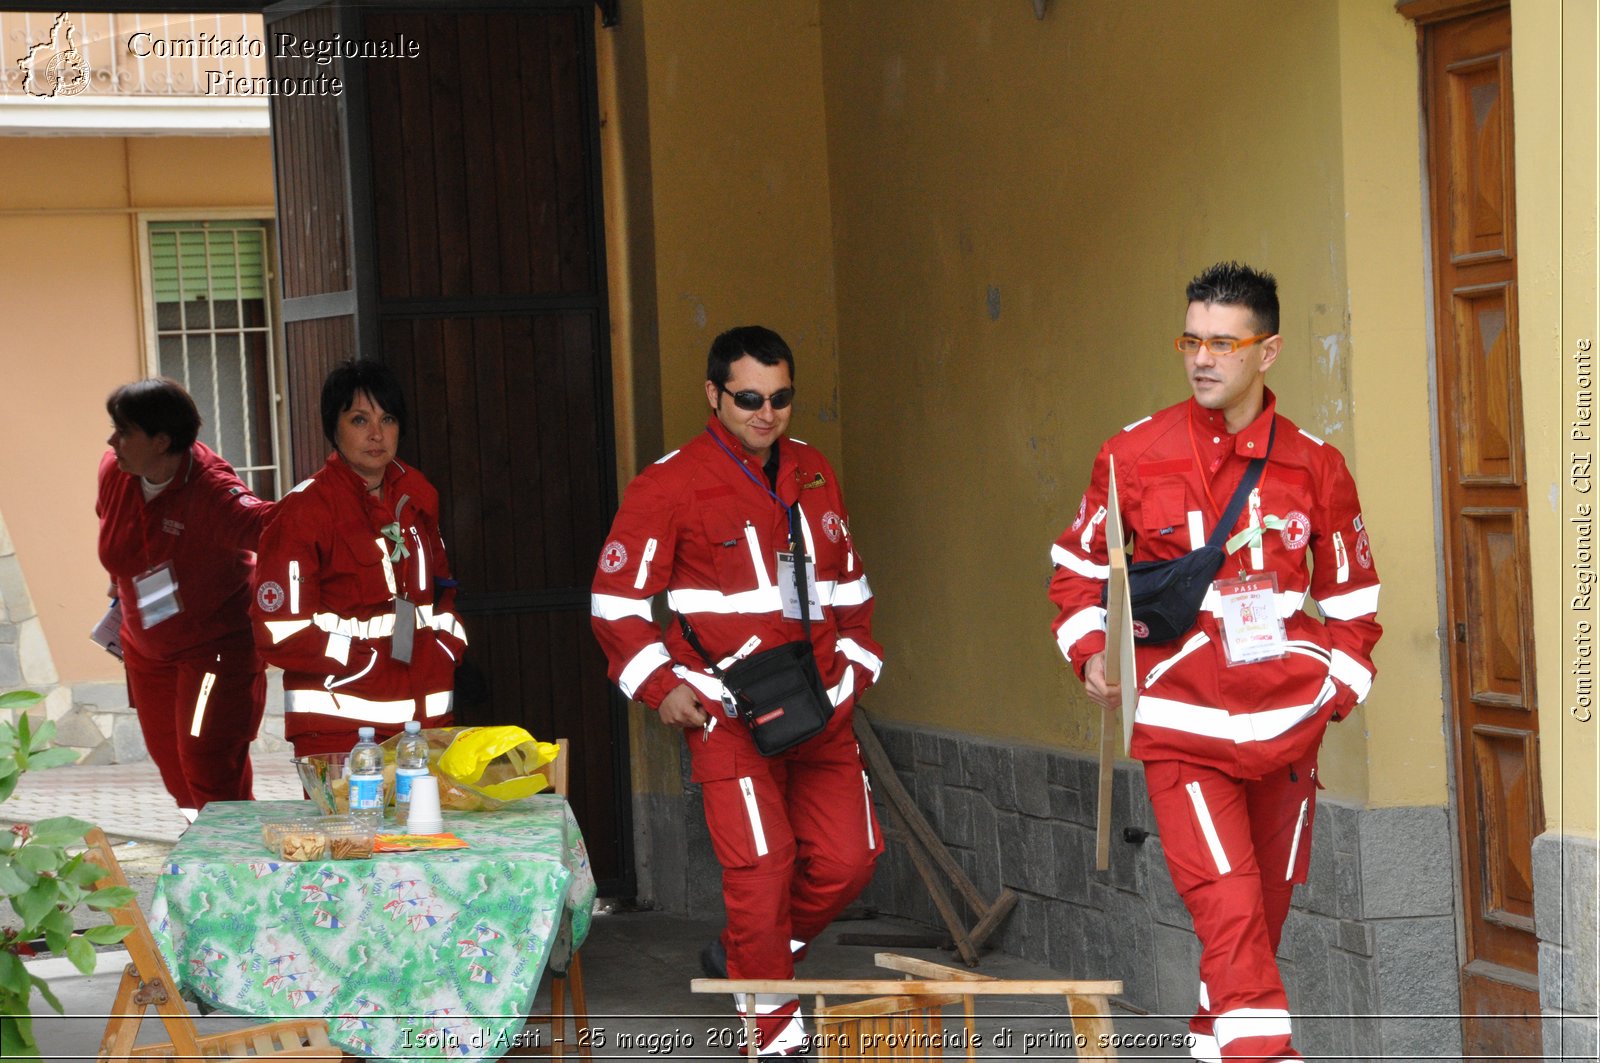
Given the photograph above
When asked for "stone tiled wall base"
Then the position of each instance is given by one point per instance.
(1369, 943)
(1565, 917)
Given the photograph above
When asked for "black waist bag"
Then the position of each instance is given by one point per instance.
(1165, 596)
(779, 695)
(777, 692)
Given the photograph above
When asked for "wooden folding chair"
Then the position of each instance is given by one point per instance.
(558, 772)
(905, 1020)
(147, 983)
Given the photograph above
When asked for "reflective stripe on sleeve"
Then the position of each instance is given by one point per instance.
(616, 607)
(643, 665)
(1202, 815)
(1081, 566)
(1078, 625)
(422, 561)
(1363, 602)
(841, 691)
(1088, 532)
(844, 595)
(1352, 673)
(854, 651)
(438, 703)
(708, 686)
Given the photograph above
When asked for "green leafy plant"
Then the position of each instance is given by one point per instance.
(43, 883)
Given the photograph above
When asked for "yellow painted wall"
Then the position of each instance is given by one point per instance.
(1554, 59)
(70, 331)
(1079, 170)
(739, 194)
(1400, 734)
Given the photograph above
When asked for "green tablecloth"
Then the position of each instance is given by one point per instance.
(408, 955)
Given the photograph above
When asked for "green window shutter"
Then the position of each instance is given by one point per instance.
(207, 260)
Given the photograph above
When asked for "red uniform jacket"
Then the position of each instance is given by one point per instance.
(696, 525)
(1176, 471)
(206, 524)
(325, 601)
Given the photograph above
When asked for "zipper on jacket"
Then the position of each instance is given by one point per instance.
(644, 564)
(754, 813)
(1198, 639)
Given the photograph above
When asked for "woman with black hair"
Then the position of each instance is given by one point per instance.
(353, 592)
(178, 533)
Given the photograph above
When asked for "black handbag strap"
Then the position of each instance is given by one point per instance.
(1247, 483)
(798, 551)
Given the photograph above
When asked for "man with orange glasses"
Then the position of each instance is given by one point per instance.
(1233, 703)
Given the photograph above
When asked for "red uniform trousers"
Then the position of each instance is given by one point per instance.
(198, 737)
(797, 840)
(1235, 849)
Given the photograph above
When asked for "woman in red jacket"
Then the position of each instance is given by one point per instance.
(178, 532)
(353, 592)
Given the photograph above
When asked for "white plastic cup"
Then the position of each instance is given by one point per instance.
(424, 817)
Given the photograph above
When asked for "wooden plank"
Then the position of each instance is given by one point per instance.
(888, 784)
(926, 968)
(871, 987)
(937, 892)
(1091, 1023)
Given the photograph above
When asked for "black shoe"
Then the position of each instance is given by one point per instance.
(714, 959)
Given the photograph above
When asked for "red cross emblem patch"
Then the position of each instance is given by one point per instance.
(613, 557)
(269, 596)
(1296, 530)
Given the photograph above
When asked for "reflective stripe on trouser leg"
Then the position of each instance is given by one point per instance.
(780, 1022)
(1208, 828)
(752, 813)
(199, 716)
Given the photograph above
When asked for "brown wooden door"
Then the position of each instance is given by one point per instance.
(477, 272)
(1494, 712)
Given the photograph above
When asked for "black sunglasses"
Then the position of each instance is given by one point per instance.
(754, 400)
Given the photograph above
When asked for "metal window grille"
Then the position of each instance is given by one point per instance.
(209, 282)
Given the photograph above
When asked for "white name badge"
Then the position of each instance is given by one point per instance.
(1251, 628)
(157, 594)
(790, 595)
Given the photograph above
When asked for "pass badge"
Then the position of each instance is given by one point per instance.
(790, 594)
(156, 594)
(1251, 628)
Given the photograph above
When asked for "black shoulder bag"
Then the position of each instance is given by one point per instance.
(1166, 595)
(777, 692)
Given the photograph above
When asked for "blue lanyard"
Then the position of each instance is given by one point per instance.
(746, 470)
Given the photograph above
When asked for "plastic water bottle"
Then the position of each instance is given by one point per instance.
(410, 762)
(366, 777)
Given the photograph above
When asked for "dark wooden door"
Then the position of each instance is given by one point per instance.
(478, 273)
(1494, 712)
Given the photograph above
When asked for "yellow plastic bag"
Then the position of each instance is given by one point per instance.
(482, 768)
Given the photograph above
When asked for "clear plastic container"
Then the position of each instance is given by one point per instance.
(410, 762)
(367, 796)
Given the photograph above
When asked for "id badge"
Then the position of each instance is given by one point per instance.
(1251, 628)
(405, 630)
(156, 593)
(790, 594)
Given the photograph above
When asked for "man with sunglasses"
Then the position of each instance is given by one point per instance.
(795, 832)
(1232, 711)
